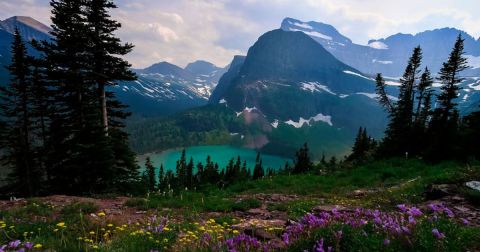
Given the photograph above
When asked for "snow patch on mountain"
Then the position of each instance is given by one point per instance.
(378, 45)
(315, 87)
(222, 101)
(275, 123)
(357, 74)
(313, 33)
(475, 86)
(375, 96)
(473, 61)
(385, 62)
(320, 117)
(302, 25)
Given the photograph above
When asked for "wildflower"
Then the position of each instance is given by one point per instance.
(235, 232)
(438, 234)
(449, 213)
(319, 246)
(386, 242)
(415, 211)
(402, 207)
(285, 238)
(411, 220)
(14, 244)
(61, 224)
(101, 214)
(465, 221)
(28, 245)
(92, 232)
(38, 246)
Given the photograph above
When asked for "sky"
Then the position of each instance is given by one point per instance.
(182, 31)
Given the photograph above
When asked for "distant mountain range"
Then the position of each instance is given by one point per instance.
(304, 82)
(389, 55)
(161, 89)
(164, 88)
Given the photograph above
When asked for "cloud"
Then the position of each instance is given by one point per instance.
(182, 31)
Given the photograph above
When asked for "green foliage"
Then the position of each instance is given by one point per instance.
(458, 238)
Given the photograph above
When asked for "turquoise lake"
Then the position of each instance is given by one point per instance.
(220, 154)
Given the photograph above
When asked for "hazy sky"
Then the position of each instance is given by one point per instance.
(181, 31)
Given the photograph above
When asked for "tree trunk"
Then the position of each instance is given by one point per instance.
(103, 105)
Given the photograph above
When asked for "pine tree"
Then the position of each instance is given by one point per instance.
(357, 149)
(302, 160)
(79, 157)
(444, 123)
(258, 171)
(332, 163)
(382, 93)
(16, 105)
(426, 82)
(189, 174)
(181, 170)
(161, 178)
(397, 139)
(150, 173)
(105, 49)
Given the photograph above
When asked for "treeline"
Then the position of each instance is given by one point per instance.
(197, 176)
(61, 130)
(424, 123)
(190, 175)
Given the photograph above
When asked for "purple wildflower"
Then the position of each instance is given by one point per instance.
(415, 211)
(438, 234)
(28, 245)
(449, 213)
(411, 220)
(319, 246)
(465, 221)
(402, 207)
(386, 242)
(14, 244)
(285, 238)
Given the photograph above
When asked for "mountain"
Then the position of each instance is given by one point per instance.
(29, 28)
(286, 91)
(164, 88)
(389, 55)
(161, 89)
(282, 65)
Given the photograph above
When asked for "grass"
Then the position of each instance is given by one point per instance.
(390, 182)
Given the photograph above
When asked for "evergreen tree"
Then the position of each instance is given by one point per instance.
(323, 161)
(382, 93)
(161, 178)
(258, 171)
(332, 163)
(397, 139)
(189, 174)
(444, 123)
(181, 170)
(245, 173)
(150, 173)
(200, 174)
(470, 136)
(16, 101)
(302, 160)
(105, 48)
